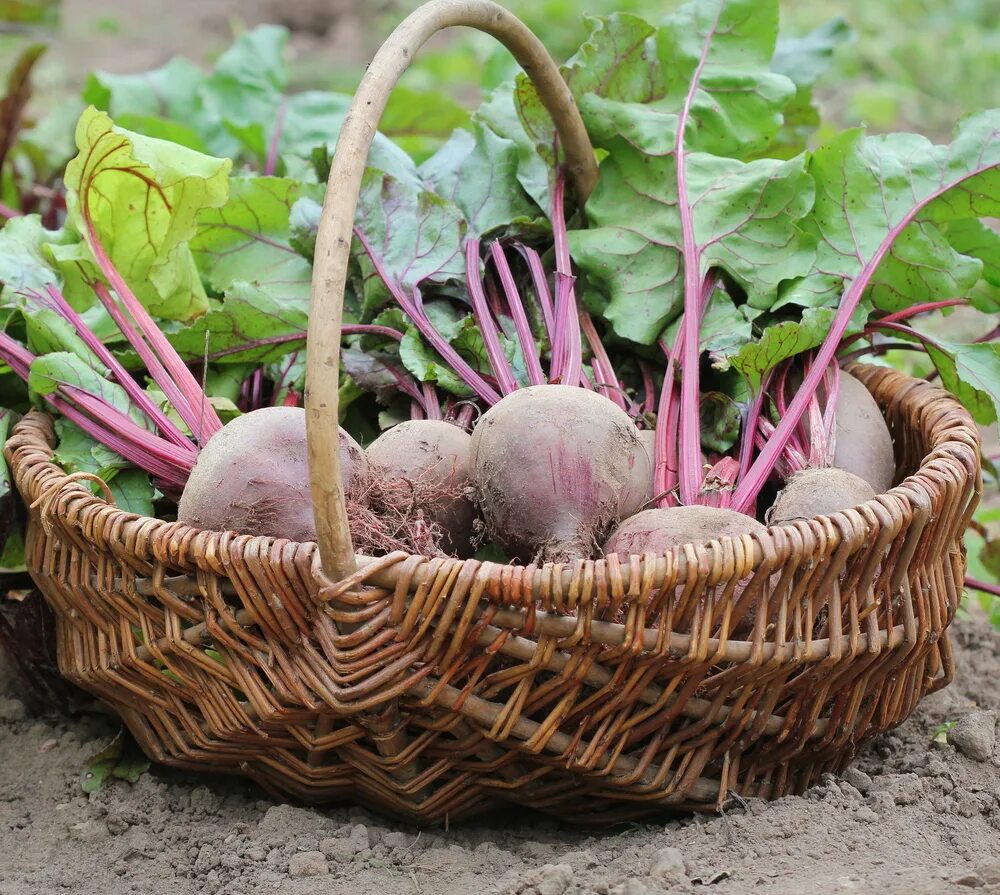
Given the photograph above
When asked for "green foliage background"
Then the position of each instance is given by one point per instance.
(912, 65)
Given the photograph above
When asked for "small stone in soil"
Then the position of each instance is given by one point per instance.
(631, 886)
(390, 840)
(905, 789)
(866, 815)
(89, 831)
(580, 860)
(975, 735)
(554, 879)
(344, 850)
(989, 870)
(12, 710)
(858, 779)
(667, 864)
(116, 825)
(308, 863)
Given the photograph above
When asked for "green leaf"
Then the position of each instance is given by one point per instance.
(714, 59)
(289, 372)
(989, 556)
(12, 559)
(781, 341)
(974, 238)
(7, 420)
(972, 374)
(251, 324)
(813, 291)
(133, 491)
(246, 240)
(76, 451)
(225, 408)
(424, 363)
(420, 121)
(160, 98)
(804, 60)
(922, 263)
(75, 265)
(745, 217)
(500, 113)
(48, 143)
(26, 257)
(162, 129)
(416, 235)
(384, 155)
(619, 61)
(724, 329)
(725, 46)
(469, 341)
(226, 381)
(44, 13)
(245, 90)
(885, 199)
(50, 371)
(446, 318)
(641, 278)
(940, 734)
(720, 421)
(241, 110)
(32, 258)
(121, 759)
(478, 173)
(49, 331)
(141, 197)
(303, 225)
(370, 370)
(462, 332)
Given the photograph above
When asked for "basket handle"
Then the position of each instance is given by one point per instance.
(333, 241)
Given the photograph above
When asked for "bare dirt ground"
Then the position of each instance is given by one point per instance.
(914, 816)
(123, 36)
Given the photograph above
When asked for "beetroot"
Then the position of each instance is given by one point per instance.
(656, 531)
(819, 492)
(432, 456)
(552, 470)
(253, 476)
(863, 444)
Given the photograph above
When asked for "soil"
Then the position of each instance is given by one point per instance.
(127, 36)
(914, 815)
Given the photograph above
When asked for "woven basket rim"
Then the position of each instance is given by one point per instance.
(954, 443)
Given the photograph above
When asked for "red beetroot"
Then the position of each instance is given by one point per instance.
(552, 470)
(819, 492)
(656, 531)
(863, 444)
(253, 476)
(432, 456)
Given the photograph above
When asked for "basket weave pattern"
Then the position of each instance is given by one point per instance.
(433, 688)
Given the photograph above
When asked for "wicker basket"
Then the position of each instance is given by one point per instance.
(435, 688)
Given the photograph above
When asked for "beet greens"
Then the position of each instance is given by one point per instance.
(712, 287)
